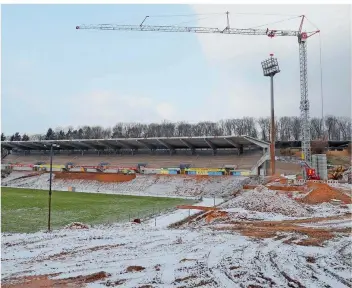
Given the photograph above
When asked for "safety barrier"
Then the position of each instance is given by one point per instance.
(332, 182)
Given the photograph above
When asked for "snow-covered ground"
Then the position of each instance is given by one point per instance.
(194, 256)
(147, 185)
(175, 258)
(180, 214)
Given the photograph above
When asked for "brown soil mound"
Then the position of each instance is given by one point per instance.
(203, 208)
(274, 187)
(134, 268)
(324, 193)
(216, 214)
(102, 177)
(44, 281)
(269, 229)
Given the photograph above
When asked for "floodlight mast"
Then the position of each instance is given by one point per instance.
(270, 69)
(301, 36)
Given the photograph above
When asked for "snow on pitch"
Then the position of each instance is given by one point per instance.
(183, 257)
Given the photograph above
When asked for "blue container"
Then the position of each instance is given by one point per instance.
(191, 172)
(236, 173)
(172, 172)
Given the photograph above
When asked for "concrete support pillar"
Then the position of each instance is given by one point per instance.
(214, 152)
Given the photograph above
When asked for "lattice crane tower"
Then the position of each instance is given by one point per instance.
(302, 41)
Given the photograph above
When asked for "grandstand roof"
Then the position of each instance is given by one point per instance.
(211, 142)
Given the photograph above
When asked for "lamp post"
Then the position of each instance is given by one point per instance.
(270, 68)
(50, 182)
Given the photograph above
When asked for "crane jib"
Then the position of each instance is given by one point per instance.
(264, 32)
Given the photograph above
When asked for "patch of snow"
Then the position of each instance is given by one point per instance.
(267, 201)
(222, 259)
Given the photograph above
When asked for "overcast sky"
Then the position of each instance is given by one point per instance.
(56, 76)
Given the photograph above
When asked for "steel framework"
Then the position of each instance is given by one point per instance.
(301, 36)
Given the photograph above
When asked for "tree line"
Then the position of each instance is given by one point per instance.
(288, 128)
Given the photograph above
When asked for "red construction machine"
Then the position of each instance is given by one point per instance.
(308, 172)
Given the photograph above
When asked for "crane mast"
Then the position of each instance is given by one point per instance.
(301, 36)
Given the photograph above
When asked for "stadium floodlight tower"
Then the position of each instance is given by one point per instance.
(270, 69)
(52, 145)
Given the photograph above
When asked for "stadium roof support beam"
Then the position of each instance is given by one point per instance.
(41, 146)
(149, 146)
(70, 144)
(17, 145)
(210, 144)
(168, 146)
(107, 145)
(124, 144)
(189, 145)
(232, 143)
(85, 144)
(258, 142)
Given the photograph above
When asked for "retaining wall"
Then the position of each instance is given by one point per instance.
(102, 177)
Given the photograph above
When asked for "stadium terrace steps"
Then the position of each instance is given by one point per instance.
(245, 161)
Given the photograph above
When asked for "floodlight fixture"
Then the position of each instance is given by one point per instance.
(270, 66)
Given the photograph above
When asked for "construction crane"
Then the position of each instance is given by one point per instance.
(299, 34)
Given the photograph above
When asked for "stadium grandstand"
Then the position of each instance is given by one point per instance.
(244, 152)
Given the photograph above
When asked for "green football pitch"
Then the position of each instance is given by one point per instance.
(26, 210)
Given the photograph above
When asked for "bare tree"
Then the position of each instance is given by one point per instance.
(87, 132)
(296, 127)
(183, 129)
(316, 125)
(284, 128)
(264, 124)
(117, 130)
(287, 128)
(331, 126)
(344, 124)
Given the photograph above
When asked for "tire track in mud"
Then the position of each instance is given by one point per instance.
(219, 276)
(335, 276)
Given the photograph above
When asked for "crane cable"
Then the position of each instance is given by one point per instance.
(321, 86)
(321, 77)
(274, 22)
(202, 14)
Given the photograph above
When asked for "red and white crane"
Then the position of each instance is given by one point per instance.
(299, 34)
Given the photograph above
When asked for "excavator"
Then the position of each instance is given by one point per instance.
(309, 172)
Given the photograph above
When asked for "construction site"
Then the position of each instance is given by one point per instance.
(260, 216)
